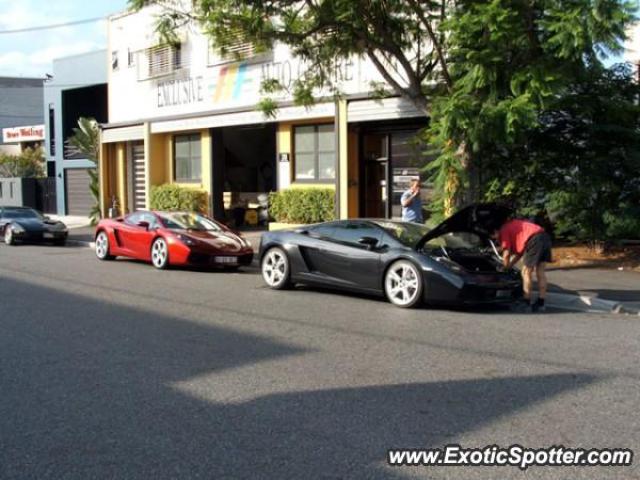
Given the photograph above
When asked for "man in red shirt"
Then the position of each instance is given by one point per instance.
(526, 240)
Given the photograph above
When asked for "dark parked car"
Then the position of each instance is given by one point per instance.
(22, 224)
(455, 263)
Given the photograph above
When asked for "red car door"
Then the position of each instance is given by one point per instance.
(136, 239)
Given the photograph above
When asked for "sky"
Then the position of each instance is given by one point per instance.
(31, 54)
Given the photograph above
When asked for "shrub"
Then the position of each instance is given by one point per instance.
(302, 205)
(170, 197)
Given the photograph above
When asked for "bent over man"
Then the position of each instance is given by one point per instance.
(526, 240)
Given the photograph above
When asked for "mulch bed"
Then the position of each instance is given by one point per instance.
(613, 257)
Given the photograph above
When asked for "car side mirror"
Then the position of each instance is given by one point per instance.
(143, 224)
(368, 242)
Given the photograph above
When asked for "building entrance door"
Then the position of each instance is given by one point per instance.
(376, 175)
(391, 156)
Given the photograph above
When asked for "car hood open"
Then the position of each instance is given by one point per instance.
(479, 218)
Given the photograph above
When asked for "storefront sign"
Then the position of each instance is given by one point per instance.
(23, 134)
(183, 91)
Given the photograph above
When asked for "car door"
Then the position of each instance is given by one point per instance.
(348, 262)
(134, 239)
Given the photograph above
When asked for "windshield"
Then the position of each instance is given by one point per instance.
(22, 213)
(188, 221)
(409, 234)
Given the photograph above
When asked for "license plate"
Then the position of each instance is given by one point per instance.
(226, 260)
(47, 235)
(503, 293)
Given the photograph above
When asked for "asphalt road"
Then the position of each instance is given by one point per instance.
(115, 370)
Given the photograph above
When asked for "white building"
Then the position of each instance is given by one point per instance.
(187, 115)
(78, 89)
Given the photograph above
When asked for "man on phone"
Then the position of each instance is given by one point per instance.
(412, 203)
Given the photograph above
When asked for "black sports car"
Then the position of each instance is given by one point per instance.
(22, 224)
(455, 263)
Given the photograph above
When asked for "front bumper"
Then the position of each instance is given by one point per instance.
(40, 237)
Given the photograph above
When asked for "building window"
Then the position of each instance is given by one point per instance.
(315, 153)
(131, 58)
(163, 60)
(187, 158)
(114, 60)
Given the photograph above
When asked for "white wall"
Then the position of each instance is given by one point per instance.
(201, 87)
(69, 73)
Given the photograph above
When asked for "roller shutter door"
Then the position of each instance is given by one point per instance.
(78, 195)
(139, 194)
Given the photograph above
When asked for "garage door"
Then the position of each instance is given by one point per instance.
(138, 176)
(78, 195)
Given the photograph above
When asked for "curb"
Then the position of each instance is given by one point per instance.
(81, 243)
(586, 303)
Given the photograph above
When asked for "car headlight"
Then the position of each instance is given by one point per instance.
(17, 228)
(186, 240)
(450, 264)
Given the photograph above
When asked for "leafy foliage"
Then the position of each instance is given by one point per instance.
(302, 205)
(28, 164)
(509, 61)
(176, 198)
(85, 141)
(582, 162)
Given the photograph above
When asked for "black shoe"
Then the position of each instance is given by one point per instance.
(538, 307)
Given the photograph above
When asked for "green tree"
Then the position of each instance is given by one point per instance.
(482, 70)
(85, 141)
(28, 164)
(582, 161)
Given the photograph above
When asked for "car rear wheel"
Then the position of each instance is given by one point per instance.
(275, 269)
(102, 247)
(403, 284)
(8, 235)
(160, 254)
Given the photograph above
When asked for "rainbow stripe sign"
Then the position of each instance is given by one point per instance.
(230, 82)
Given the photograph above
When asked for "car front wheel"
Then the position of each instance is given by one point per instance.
(160, 254)
(403, 284)
(275, 269)
(102, 247)
(8, 235)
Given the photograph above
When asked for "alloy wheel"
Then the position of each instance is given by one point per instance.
(403, 284)
(8, 235)
(159, 254)
(102, 246)
(275, 268)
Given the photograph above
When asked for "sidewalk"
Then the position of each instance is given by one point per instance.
(600, 289)
(71, 221)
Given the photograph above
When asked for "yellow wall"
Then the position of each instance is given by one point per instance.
(121, 174)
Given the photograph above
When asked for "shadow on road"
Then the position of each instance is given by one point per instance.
(90, 390)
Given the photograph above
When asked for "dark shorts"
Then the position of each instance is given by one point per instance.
(537, 250)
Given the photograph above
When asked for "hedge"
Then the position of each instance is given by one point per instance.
(302, 205)
(170, 197)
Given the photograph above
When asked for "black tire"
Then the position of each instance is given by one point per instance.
(160, 254)
(275, 268)
(102, 246)
(403, 284)
(60, 243)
